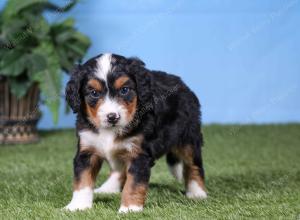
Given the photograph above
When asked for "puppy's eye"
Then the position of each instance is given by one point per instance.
(124, 90)
(95, 94)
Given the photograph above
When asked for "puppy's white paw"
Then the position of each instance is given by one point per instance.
(194, 191)
(75, 206)
(199, 195)
(81, 200)
(131, 208)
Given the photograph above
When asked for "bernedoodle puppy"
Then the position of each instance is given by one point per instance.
(130, 116)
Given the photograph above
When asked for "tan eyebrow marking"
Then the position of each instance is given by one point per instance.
(95, 84)
(120, 81)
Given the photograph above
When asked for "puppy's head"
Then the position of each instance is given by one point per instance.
(106, 90)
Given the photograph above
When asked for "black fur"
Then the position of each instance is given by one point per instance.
(140, 168)
(172, 159)
(81, 162)
(168, 113)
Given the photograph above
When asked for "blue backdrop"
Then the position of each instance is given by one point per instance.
(240, 57)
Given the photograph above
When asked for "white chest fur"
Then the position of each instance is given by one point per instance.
(105, 143)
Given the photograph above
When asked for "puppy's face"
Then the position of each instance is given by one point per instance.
(108, 94)
(112, 102)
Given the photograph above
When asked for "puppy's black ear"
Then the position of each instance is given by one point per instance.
(73, 88)
(142, 77)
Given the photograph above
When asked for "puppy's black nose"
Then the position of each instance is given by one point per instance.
(112, 118)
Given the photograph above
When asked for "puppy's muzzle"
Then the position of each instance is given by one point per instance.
(113, 118)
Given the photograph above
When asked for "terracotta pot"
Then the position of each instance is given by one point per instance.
(18, 117)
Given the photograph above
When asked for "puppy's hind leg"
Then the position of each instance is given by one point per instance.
(193, 172)
(113, 184)
(175, 166)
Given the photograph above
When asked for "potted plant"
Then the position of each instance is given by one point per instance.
(34, 53)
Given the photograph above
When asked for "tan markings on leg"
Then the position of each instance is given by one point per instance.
(133, 194)
(88, 176)
(120, 81)
(191, 172)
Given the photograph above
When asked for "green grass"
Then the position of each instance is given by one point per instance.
(252, 172)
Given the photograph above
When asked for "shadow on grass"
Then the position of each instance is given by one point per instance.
(220, 188)
(160, 187)
(229, 185)
(106, 198)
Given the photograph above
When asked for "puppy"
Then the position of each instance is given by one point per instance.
(130, 116)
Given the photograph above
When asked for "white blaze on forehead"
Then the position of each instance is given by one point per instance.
(103, 66)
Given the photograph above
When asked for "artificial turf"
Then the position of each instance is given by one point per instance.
(251, 172)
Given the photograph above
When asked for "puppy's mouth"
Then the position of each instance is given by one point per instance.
(111, 125)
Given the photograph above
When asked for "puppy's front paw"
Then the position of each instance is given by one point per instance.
(130, 208)
(201, 194)
(77, 206)
(81, 200)
(194, 191)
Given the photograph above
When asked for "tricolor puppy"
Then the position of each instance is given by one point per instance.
(130, 116)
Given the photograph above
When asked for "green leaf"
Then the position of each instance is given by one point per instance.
(81, 38)
(50, 79)
(13, 63)
(76, 49)
(67, 23)
(65, 62)
(63, 31)
(68, 6)
(37, 62)
(36, 51)
(41, 29)
(64, 36)
(12, 27)
(70, 44)
(13, 7)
